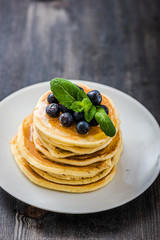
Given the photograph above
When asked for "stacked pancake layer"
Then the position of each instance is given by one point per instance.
(59, 158)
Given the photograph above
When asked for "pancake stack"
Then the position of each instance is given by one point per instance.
(57, 157)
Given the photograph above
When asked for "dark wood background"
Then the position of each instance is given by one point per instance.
(114, 42)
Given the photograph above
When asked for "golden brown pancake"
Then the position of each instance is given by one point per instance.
(81, 160)
(35, 158)
(37, 179)
(50, 128)
(57, 157)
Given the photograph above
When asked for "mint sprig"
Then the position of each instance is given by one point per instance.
(105, 122)
(77, 106)
(65, 91)
(89, 115)
(68, 94)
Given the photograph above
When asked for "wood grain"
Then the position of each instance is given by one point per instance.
(111, 42)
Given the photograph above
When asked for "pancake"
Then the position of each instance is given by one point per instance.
(72, 181)
(81, 160)
(37, 179)
(50, 144)
(67, 136)
(51, 152)
(58, 158)
(35, 158)
(81, 180)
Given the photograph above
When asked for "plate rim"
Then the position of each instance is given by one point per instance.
(146, 186)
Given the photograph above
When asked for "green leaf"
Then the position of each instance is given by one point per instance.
(81, 95)
(73, 98)
(65, 91)
(90, 114)
(105, 122)
(87, 104)
(77, 106)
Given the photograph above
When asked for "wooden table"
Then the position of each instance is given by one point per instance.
(116, 43)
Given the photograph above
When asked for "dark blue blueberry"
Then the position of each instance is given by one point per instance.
(51, 98)
(105, 108)
(66, 119)
(93, 122)
(78, 116)
(95, 97)
(64, 109)
(53, 110)
(82, 127)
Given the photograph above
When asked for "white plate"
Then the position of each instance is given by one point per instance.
(138, 167)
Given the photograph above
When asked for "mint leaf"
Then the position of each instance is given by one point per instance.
(105, 122)
(65, 91)
(81, 95)
(87, 104)
(68, 94)
(77, 106)
(90, 114)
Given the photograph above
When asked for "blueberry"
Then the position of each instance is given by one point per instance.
(66, 119)
(93, 122)
(51, 98)
(64, 109)
(53, 110)
(78, 116)
(95, 97)
(82, 127)
(105, 108)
